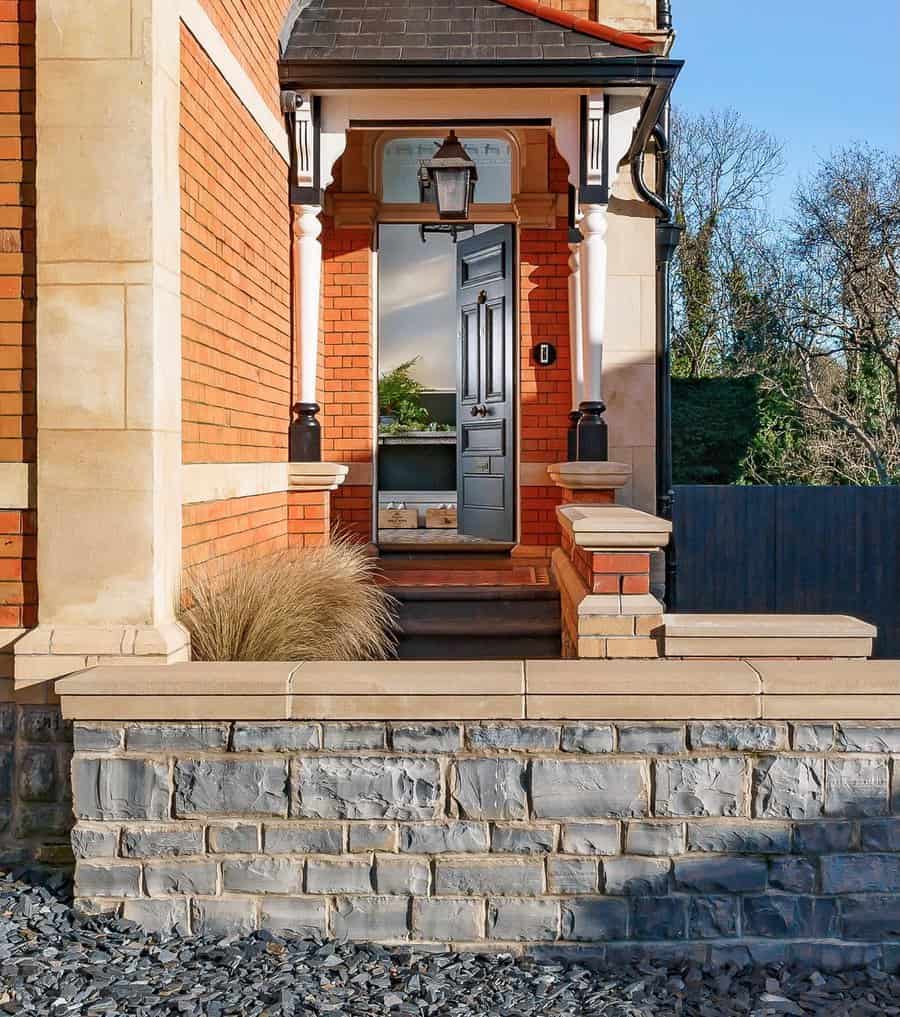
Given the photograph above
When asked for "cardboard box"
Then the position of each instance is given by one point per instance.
(398, 519)
(440, 519)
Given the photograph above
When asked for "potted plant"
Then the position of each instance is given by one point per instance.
(400, 399)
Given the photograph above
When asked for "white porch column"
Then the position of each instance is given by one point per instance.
(593, 260)
(305, 434)
(108, 337)
(575, 324)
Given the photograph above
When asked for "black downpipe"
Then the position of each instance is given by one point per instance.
(667, 235)
(663, 15)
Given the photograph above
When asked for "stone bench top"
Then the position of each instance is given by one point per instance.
(797, 626)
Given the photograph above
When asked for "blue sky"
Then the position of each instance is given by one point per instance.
(818, 74)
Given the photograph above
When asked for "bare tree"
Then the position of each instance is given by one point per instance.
(837, 281)
(722, 171)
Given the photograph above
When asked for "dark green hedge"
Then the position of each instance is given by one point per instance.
(714, 424)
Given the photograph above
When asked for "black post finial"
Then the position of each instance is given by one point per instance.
(593, 434)
(305, 435)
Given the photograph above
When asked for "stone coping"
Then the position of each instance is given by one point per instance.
(613, 526)
(590, 476)
(489, 690)
(799, 626)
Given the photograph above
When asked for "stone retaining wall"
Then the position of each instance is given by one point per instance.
(729, 838)
(35, 800)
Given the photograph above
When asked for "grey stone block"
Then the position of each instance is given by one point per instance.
(588, 738)
(860, 873)
(812, 737)
(651, 739)
(523, 840)
(659, 917)
(43, 820)
(426, 737)
(43, 724)
(262, 875)
(591, 839)
(822, 838)
(447, 920)
(784, 916)
(672, 954)
(223, 917)
(478, 876)
(367, 787)
(522, 920)
(120, 788)
(169, 737)
(107, 879)
(513, 737)
(788, 787)
(740, 837)
(7, 721)
(712, 917)
(706, 786)
(149, 842)
(746, 736)
(372, 837)
(868, 738)
(7, 769)
(721, 875)
(376, 919)
(455, 837)
(300, 839)
(572, 875)
(856, 787)
(879, 834)
(348, 737)
(875, 917)
(164, 917)
(589, 920)
(234, 838)
(193, 877)
(651, 838)
(564, 789)
(38, 777)
(492, 788)
(97, 738)
(291, 736)
(748, 953)
(94, 841)
(836, 956)
(402, 875)
(636, 877)
(222, 787)
(305, 916)
(338, 875)
(792, 874)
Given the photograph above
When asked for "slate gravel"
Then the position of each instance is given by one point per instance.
(54, 962)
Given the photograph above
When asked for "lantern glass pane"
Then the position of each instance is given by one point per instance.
(400, 167)
(452, 186)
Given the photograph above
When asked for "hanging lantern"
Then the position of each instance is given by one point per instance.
(452, 174)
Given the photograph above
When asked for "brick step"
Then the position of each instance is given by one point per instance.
(436, 623)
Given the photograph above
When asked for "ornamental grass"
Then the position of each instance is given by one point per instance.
(318, 603)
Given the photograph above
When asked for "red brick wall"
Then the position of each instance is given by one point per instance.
(251, 28)
(18, 588)
(225, 531)
(347, 376)
(236, 329)
(546, 392)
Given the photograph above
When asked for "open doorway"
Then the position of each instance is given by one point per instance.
(446, 406)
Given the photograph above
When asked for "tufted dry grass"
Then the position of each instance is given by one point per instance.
(320, 603)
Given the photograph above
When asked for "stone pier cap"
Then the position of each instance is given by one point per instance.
(663, 689)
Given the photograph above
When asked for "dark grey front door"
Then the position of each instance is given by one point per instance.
(485, 385)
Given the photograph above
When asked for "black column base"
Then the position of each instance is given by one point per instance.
(572, 436)
(305, 435)
(592, 433)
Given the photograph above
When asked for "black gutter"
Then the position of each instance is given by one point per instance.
(667, 236)
(305, 75)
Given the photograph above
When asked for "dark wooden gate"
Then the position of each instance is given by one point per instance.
(792, 550)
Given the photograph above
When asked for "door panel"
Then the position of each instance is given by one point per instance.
(486, 385)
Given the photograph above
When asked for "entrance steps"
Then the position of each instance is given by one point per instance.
(464, 610)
